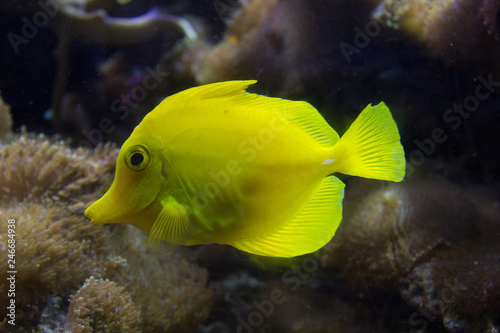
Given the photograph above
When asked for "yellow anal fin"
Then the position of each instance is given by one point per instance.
(310, 230)
(171, 225)
(371, 147)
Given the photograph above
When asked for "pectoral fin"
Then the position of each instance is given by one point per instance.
(171, 225)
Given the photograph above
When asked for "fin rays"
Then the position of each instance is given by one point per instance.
(371, 147)
(171, 225)
(306, 117)
(312, 228)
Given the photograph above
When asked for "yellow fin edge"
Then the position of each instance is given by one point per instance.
(312, 228)
(371, 147)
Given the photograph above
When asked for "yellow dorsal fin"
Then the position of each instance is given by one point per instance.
(171, 225)
(307, 118)
(371, 147)
(298, 113)
(207, 91)
(310, 230)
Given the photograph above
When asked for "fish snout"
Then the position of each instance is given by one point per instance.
(106, 210)
(90, 213)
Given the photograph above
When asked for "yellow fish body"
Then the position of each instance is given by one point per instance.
(215, 164)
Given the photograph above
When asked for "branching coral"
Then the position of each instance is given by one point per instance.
(45, 188)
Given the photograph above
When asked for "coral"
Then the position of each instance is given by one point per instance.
(91, 23)
(5, 120)
(281, 42)
(101, 305)
(309, 310)
(431, 242)
(393, 228)
(52, 170)
(219, 63)
(59, 247)
(458, 31)
(421, 256)
(45, 188)
(98, 27)
(459, 285)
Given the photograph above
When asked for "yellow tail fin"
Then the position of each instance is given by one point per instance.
(371, 147)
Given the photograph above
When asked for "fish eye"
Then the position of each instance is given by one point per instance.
(138, 158)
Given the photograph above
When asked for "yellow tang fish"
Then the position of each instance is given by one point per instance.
(215, 164)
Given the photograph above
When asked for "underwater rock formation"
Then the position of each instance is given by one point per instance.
(45, 188)
(461, 32)
(429, 241)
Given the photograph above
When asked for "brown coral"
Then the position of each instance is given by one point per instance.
(45, 187)
(50, 169)
(102, 306)
(431, 242)
(459, 285)
(458, 31)
(220, 63)
(284, 43)
(383, 236)
(5, 120)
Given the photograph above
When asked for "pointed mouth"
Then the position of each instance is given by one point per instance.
(88, 214)
(96, 223)
(95, 220)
